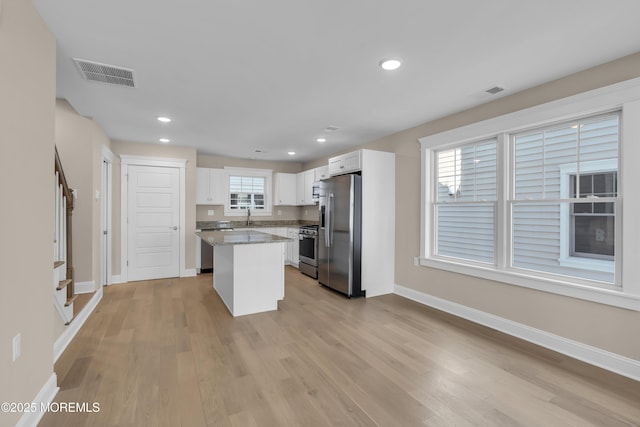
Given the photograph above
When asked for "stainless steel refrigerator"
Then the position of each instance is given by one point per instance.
(339, 234)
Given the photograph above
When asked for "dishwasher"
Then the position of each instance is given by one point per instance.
(206, 250)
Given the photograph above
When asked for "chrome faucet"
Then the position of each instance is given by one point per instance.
(248, 216)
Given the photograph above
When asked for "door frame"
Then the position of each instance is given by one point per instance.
(106, 215)
(125, 162)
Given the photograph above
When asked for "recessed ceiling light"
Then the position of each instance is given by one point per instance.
(390, 64)
(165, 140)
(321, 139)
(291, 153)
(164, 119)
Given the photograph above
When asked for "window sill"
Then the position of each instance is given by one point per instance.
(589, 293)
(593, 264)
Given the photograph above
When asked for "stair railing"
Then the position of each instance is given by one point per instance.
(63, 231)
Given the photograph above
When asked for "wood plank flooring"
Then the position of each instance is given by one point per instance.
(167, 353)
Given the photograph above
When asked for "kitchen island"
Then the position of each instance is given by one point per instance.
(248, 271)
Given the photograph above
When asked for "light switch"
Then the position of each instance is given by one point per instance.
(210, 212)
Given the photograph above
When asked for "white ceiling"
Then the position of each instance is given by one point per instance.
(243, 75)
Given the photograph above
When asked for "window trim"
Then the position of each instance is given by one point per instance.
(623, 96)
(267, 174)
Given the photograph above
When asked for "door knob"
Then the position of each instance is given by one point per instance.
(175, 227)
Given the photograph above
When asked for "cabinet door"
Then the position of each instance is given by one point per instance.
(304, 187)
(350, 162)
(217, 184)
(300, 189)
(285, 189)
(336, 165)
(322, 172)
(295, 250)
(202, 186)
(309, 179)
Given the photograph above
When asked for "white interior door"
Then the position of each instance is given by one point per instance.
(153, 222)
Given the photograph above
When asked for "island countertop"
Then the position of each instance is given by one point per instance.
(239, 237)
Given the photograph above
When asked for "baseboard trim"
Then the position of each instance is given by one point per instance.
(189, 272)
(70, 331)
(85, 287)
(116, 279)
(595, 356)
(45, 396)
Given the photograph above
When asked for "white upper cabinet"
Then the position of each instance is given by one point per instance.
(322, 172)
(210, 185)
(346, 163)
(304, 187)
(285, 193)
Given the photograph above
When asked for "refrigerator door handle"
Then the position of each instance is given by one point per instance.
(328, 235)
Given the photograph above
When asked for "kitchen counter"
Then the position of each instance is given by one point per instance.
(239, 237)
(248, 272)
(294, 223)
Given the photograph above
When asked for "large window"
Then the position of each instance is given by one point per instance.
(540, 206)
(248, 189)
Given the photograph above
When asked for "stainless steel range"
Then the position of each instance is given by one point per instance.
(309, 250)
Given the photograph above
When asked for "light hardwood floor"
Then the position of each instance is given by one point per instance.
(167, 353)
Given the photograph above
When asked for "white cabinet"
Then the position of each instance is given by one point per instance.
(378, 232)
(285, 189)
(210, 185)
(322, 173)
(293, 247)
(304, 187)
(350, 162)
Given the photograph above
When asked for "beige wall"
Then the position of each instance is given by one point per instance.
(79, 142)
(156, 150)
(606, 327)
(279, 212)
(27, 102)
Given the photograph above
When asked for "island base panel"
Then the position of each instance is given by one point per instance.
(249, 278)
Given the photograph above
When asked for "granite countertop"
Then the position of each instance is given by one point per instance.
(203, 225)
(239, 237)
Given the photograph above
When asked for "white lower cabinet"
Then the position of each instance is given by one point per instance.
(290, 249)
(293, 247)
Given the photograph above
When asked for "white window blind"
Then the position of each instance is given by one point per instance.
(465, 205)
(556, 169)
(247, 192)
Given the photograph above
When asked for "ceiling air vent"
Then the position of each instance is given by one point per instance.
(104, 73)
(494, 90)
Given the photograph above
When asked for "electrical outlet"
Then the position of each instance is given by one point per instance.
(210, 212)
(16, 347)
(279, 212)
